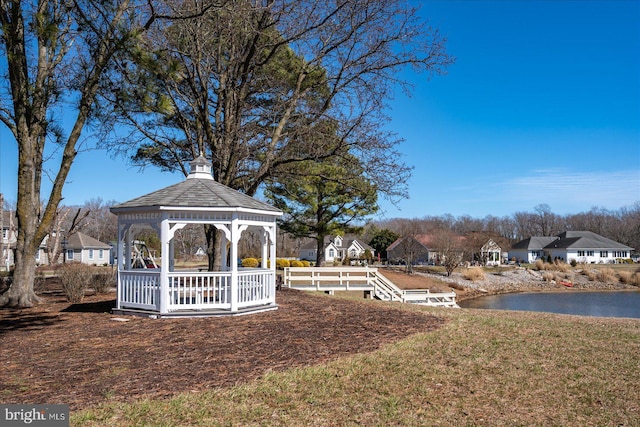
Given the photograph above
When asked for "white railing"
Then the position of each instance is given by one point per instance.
(256, 287)
(199, 290)
(139, 289)
(190, 290)
(330, 279)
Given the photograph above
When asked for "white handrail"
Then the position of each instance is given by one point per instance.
(330, 279)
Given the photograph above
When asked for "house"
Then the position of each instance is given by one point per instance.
(586, 247)
(9, 238)
(413, 249)
(87, 250)
(490, 253)
(579, 246)
(337, 249)
(531, 249)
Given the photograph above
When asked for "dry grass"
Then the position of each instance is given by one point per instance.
(629, 278)
(482, 368)
(607, 275)
(473, 274)
(554, 266)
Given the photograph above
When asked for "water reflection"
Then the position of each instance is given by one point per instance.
(604, 304)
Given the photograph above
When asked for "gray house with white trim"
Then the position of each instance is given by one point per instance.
(581, 246)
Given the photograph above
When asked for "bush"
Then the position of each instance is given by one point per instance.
(306, 263)
(75, 278)
(250, 262)
(473, 274)
(296, 263)
(103, 281)
(549, 276)
(574, 263)
(607, 275)
(282, 263)
(629, 278)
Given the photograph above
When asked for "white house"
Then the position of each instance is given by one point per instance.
(531, 249)
(491, 253)
(336, 249)
(87, 250)
(586, 247)
(581, 246)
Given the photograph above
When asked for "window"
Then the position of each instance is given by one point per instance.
(589, 253)
(90, 253)
(101, 254)
(604, 254)
(38, 255)
(332, 253)
(70, 254)
(580, 253)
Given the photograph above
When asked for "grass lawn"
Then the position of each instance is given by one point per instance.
(494, 368)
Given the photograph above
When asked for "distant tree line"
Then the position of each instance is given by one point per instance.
(622, 225)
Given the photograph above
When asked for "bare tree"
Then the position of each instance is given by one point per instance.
(450, 248)
(258, 87)
(56, 55)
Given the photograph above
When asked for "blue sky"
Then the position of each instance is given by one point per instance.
(541, 106)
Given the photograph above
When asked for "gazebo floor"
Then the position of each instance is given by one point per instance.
(193, 313)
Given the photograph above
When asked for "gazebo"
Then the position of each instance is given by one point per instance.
(167, 292)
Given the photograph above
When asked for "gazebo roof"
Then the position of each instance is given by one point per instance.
(199, 190)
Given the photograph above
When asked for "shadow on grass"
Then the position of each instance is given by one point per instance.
(16, 319)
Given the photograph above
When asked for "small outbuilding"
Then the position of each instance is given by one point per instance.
(168, 292)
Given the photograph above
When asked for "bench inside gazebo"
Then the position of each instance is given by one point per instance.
(168, 292)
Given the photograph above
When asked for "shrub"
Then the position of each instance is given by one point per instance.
(540, 265)
(282, 263)
(75, 278)
(549, 276)
(473, 274)
(250, 262)
(296, 263)
(103, 281)
(607, 275)
(574, 263)
(591, 275)
(306, 263)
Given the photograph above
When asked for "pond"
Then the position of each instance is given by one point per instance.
(583, 303)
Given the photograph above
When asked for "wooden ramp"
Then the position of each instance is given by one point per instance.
(331, 279)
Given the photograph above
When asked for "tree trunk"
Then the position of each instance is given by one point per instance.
(21, 293)
(213, 248)
(320, 251)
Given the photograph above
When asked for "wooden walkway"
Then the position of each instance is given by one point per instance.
(368, 280)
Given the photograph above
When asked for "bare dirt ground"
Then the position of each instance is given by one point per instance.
(81, 355)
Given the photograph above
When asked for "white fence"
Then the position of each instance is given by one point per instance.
(190, 290)
(331, 279)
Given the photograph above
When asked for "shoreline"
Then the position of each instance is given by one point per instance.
(518, 281)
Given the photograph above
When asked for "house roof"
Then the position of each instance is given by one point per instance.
(347, 241)
(428, 241)
(535, 243)
(585, 240)
(199, 190)
(82, 241)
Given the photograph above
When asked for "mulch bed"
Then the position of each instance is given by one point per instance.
(79, 355)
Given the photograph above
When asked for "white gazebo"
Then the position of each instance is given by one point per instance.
(167, 292)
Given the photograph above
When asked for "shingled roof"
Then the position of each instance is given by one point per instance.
(199, 190)
(585, 240)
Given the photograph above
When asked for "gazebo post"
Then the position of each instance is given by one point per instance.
(235, 236)
(164, 265)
